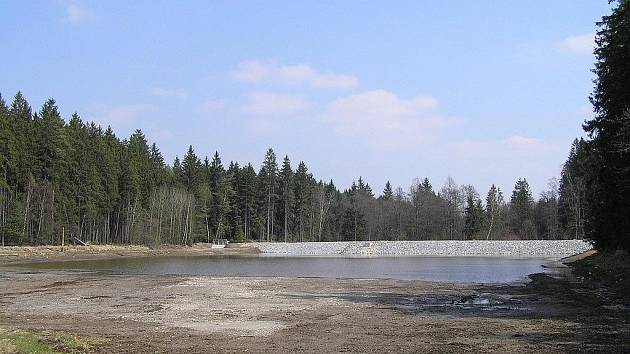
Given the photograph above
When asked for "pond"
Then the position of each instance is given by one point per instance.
(444, 269)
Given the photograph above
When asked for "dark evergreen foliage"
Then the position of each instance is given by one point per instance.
(78, 177)
(607, 161)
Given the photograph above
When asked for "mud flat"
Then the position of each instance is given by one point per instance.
(28, 254)
(523, 248)
(200, 314)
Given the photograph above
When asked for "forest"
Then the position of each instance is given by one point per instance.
(76, 178)
(101, 189)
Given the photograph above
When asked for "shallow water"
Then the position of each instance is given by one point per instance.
(445, 269)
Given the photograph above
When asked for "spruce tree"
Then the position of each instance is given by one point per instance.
(234, 217)
(7, 145)
(191, 168)
(178, 175)
(111, 167)
(607, 207)
(7, 150)
(269, 176)
(522, 210)
(493, 212)
(215, 177)
(21, 127)
(223, 196)
(473, 216)
(287, 194)
(139, 167)
(303, 195)
(573, 190)
(426, 186)
(388, 193)
(248, 192)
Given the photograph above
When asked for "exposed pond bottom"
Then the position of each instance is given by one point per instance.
(445, 269)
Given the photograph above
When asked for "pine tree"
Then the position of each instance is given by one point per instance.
(191, 171)
(223, 196)
(111, 167)
(247, 198)
(303, 195)
(607, 206)
(21, 127)
(178, 175)
(364, 188)
(140, 154)
(269, 178)
(156, 166)
(572, 190)
(354, 225)
(426, 186)
(388, 193)
(473, 214)
(494, 208)
(215, 177)
(546, 212)
(7, 150)
(522, 210)
(287, 194)
(234, 218)
(7, 145)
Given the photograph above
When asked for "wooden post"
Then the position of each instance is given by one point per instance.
(63, 236)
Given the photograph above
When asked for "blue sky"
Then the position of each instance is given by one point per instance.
(483, 91)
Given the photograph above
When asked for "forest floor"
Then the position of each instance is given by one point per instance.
(109, 313)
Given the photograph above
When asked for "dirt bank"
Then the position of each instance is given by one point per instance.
(24, 254)
(149, 314)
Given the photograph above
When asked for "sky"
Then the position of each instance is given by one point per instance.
(483, 91)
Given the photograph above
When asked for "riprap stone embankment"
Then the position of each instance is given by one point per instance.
(521, 248)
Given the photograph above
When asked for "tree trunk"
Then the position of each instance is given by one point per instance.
(286, 219)
(28, 201)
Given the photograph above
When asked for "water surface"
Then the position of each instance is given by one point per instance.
(446, 269)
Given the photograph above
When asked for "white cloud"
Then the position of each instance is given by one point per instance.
(211, 105)
(525, 144)
(163, 92)
(123, 115)
(380, 117)
(76, 14)
(515, 144)
(275, 103)
(581, 44)
(256, 71)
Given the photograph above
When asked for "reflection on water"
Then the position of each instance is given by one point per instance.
(447, 269)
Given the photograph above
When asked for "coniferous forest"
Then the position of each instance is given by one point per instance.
(80, 178)
(102, 189)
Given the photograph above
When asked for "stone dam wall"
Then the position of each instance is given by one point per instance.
(521, 248)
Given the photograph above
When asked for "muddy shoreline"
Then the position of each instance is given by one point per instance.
(14, 255)
(197, 314)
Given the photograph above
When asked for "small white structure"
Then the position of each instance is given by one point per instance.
(219, 243)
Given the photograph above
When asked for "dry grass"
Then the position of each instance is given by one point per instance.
(18, 341)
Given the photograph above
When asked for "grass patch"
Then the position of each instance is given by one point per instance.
(17, 341)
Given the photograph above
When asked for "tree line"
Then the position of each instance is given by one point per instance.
(82, 178)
